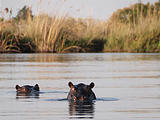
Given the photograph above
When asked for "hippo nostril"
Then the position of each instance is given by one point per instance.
(81, 98)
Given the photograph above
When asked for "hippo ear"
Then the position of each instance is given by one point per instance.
(70, 84)
(91, 85)
(17, 87)
(36, 87)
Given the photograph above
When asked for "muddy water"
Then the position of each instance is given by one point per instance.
(127, 86)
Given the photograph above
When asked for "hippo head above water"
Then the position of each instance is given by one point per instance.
(27, 89)
(81, 92)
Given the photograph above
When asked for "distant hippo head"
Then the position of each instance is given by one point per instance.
(27, 88)
(81, 92)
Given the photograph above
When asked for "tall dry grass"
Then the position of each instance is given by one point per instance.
(45, 32)
(133, 29)
(82, 32)
(139, 34)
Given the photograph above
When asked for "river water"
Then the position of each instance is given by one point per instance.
(127, 86)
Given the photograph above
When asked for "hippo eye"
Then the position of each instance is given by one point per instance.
(73, 88)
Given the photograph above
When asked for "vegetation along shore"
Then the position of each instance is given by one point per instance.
(133, 29)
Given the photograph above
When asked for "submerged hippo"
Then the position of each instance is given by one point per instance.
(81, 92)
(27, 89)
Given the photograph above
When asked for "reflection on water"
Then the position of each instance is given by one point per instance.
(107, 99)
(80, 57)
(27, 95)
(81, 110)
(126, 85)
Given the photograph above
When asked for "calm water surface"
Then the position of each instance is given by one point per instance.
(127, 86)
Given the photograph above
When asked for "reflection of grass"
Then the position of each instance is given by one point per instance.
(134, 29)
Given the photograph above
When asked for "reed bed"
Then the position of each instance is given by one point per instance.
(45, 32)
(142, 37)
(139, 33)
(132, 29)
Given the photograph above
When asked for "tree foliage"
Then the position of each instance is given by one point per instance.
(24, 14)
(132, 13)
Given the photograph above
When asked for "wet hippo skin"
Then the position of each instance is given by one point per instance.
(27, 89)
(81, 92)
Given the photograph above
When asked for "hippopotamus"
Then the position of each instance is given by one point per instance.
(27, 89)
(81, 92)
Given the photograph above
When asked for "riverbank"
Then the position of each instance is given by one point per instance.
(133, 29)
